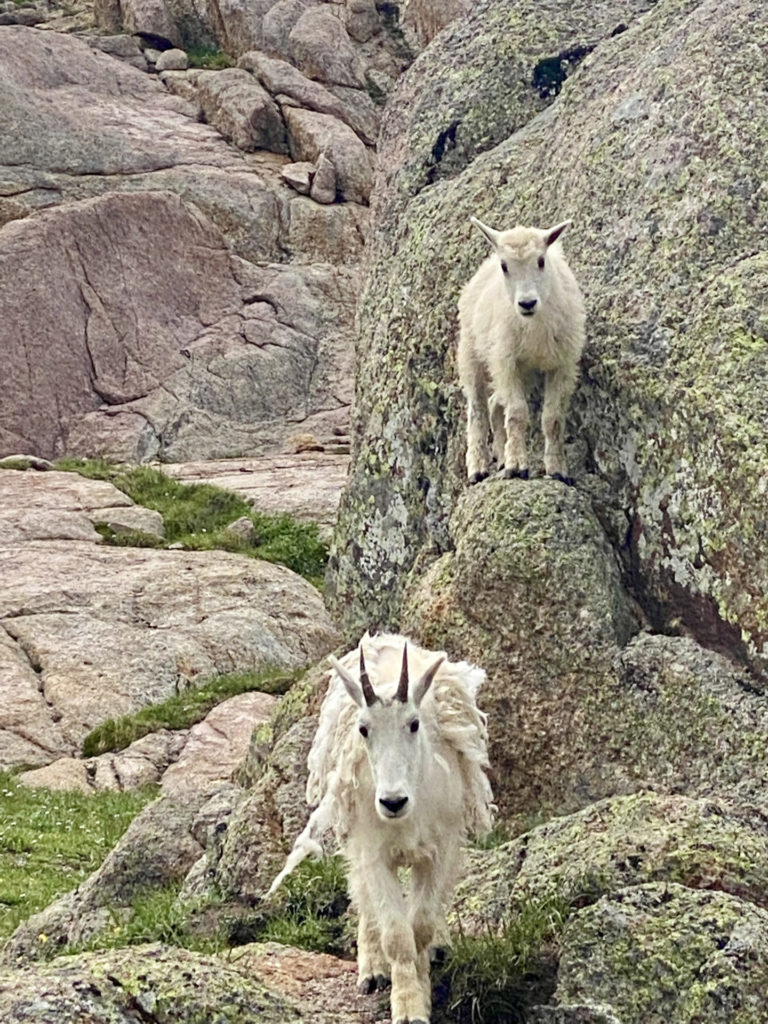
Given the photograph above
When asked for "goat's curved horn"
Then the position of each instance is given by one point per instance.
(365, 682)
(402, 687)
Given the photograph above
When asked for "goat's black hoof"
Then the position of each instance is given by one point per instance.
(475, 478)
(515, 474)
(567, 480)
(366, 986)
(382, 982)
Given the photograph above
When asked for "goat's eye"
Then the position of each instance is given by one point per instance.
(415, 725)
(504, 267)
(541, 262)
(364, 731)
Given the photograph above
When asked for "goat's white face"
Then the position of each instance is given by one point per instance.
(523, 263)
(395, 742)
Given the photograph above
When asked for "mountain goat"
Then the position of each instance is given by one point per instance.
(397, 770)
(521, 312)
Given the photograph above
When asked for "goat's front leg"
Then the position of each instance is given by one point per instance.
(478, 428)
(509, 396)
(431, 885)
(558, 388)
(372, 967)
(473, 376)
(411, 997)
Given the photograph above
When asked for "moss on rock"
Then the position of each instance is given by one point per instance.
(149, 983)
(612, 844)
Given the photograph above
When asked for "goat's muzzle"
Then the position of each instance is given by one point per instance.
(393, 807)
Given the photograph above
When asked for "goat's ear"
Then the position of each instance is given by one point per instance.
(352, 686)
(490, 234)
(552, 234)
(420, 688)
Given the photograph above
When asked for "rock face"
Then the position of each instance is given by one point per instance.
(158, 983)
(663, 953)
(190, 302)
(658, 904)
(202, 365)
(158, 619)
(672, 395)
(533, 593)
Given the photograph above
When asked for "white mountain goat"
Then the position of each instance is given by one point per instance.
(397, 770)
(521, 312)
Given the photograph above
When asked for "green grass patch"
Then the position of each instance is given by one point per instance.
(183, 709)
(209, 57)
(196, 517)
(155, 915)
(309, 911)
(50, 841)
(491, 978)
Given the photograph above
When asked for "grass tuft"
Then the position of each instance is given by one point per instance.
(209, 57)
(183, 709)
(50, 841)
(489, 979)
(196, 517)
(310, 911)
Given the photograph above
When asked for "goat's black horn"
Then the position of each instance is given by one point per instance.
(402, 689)
(365, 682)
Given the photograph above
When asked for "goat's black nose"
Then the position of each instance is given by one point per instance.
(527, 304)
(394, 806)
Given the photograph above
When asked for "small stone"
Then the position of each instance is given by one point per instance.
(242, 528)
(304, 443)
(299, 176)
(172, 60)
(152, 55)
(324, 183)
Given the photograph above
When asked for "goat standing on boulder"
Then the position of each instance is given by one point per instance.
(521, 312)
(397, 770)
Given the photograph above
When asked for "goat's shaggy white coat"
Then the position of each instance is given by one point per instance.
(398, 797)
(521, 312)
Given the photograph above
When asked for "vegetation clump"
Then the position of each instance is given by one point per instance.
(209, 57)
(491, 978)
(183, 709)
(196, 517)
(311, 912)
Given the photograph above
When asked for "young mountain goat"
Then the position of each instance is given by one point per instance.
(522, 311)
(396, 769)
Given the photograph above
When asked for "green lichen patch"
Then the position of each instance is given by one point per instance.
(664, 954)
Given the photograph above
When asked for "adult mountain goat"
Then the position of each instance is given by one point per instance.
(521, 312)
(397, 770)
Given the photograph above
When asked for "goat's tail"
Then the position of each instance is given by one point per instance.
(308, 843)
